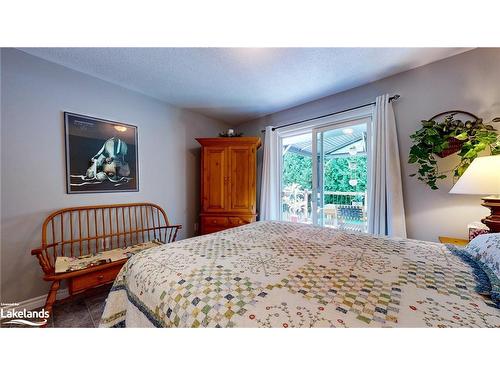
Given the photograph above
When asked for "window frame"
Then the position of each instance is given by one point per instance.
(315, 126)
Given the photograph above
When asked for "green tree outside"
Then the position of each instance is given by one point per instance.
(298, 169)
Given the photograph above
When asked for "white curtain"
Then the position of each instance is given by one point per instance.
(269, 182)
(386, 215)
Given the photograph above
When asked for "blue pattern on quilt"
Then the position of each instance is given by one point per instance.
(484, 250)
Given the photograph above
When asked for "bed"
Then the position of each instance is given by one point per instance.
(277, 274)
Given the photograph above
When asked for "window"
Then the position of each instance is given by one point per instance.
(324, 172)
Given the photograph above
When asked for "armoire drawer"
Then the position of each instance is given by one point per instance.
(236, 221)
(211, 224)
(218, 221)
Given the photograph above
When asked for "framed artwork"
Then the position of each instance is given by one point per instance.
(101, 155)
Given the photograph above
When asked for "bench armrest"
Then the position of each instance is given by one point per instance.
(42, 256)
(173, 232)
(178, 226)
(36, 251)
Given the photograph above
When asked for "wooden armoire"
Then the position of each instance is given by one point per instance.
(228, 182)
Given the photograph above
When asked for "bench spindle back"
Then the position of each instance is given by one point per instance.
(77, 231)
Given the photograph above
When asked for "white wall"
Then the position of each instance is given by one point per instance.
(34, 95)
(469, 81)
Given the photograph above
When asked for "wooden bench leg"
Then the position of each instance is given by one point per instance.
(51, 297)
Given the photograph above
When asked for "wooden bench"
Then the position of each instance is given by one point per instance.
(91, 230)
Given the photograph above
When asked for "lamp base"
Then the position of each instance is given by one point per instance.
(492, 221)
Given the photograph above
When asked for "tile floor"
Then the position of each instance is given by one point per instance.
(80, 311)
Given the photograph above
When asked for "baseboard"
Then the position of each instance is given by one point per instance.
(36, 302)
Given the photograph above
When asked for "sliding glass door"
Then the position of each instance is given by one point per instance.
(340, 175)
(324, 175)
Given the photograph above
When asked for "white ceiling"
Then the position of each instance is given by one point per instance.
(238, 84)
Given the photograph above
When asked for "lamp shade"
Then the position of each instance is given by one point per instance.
(482, 177)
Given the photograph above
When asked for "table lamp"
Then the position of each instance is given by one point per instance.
(483, 178)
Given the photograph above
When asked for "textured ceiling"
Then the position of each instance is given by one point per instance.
(238, 84)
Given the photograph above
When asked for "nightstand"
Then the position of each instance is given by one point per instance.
(453, 241)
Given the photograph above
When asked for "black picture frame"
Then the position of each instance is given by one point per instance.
(101, 155)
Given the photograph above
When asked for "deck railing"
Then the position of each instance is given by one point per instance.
(342, 209)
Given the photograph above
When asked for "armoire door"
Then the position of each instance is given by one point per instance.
(215, 179)
(242, 178)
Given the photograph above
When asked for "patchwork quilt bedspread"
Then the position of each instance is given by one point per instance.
(276, 274)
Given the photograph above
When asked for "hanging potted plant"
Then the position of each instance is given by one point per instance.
(451, 135)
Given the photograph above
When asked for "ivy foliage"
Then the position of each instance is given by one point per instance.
(434, 137)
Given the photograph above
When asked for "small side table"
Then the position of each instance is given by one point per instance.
(453, 241)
